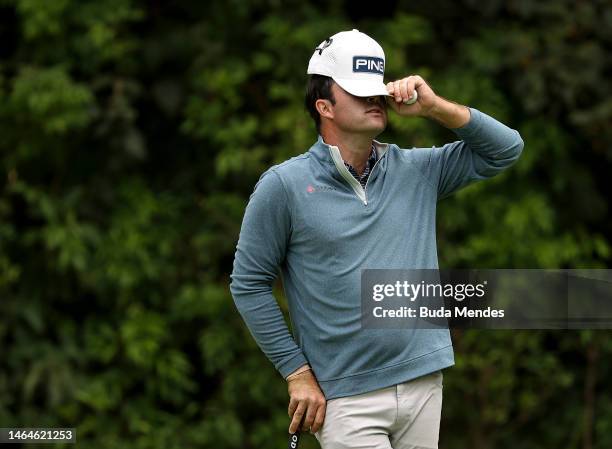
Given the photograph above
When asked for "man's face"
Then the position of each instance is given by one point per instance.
(364, 115)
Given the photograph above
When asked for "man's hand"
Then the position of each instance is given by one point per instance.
(428, 104)
(306, 402)
(402, 90)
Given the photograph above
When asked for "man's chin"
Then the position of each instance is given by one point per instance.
(369, 129)
(375, 130)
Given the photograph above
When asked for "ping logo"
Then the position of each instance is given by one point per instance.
(294, 441)
(368, 64)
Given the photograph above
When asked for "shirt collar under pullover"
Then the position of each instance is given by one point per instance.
(363, 179)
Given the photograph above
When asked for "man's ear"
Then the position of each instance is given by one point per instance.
(324, 107)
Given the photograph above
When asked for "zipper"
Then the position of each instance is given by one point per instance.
(356, 186)
(365, 189)
(335, 154)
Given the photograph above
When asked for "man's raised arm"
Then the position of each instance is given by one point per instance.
(486, 148)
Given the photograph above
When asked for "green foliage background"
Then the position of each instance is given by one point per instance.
(132, 134)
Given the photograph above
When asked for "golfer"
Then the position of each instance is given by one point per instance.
(351, 203)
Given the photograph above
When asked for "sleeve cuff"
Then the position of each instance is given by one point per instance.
(472, 126)
(300, 370)
(292, 365)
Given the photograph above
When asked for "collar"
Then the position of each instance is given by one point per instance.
(322, 151)
(329, 158)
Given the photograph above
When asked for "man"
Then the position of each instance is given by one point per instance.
(347, 204)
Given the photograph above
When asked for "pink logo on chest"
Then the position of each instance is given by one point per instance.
(310, 189)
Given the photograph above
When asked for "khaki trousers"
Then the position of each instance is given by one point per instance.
(404, 416)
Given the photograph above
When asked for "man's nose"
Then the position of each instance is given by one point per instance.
(374, 100)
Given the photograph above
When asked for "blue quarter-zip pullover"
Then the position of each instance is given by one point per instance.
(311, 219)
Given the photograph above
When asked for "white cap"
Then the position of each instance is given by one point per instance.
(353, 60)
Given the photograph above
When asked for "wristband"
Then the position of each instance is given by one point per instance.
(291, 376)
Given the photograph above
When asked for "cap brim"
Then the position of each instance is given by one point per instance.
(363, 88)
